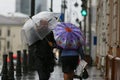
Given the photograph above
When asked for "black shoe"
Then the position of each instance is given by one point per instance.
(79, 77)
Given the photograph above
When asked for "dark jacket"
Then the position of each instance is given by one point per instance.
(43, 53)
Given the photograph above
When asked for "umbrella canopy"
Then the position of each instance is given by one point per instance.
(51, 17)
(37, 27)
(28, 33)
(68, 36)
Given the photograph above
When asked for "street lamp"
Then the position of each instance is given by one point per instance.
(64, 6)
(51, 6)
(32, 8)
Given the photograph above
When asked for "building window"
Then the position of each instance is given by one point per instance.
(8, 45)
(8, 32)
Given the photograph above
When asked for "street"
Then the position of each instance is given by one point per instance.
(94, 74)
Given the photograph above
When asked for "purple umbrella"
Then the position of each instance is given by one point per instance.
(68, 36)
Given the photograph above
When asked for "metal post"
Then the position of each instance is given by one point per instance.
(51, 6)
(4, 73)
(32, 8)
(18, 66)
(11, 67)
(85, 32)
(63, 7)
(25, 61)
(88, 57)
(90, 28)
(64, 10)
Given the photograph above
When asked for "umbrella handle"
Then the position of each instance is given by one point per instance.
(50, 43)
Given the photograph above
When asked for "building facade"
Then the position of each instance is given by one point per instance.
(108, 34)
(10, 33)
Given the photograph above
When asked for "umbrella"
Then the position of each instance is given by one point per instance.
(68, 36)
(28, 33)
(51, 17)
(37, 27)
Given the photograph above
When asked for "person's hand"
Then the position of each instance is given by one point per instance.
(50, 43)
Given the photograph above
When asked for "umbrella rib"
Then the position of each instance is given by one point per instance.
(34, 22)
(66, 39)
(81, 37)
(60, 34)
(75, 39)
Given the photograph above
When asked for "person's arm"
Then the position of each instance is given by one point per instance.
(81, 52)
(50, 39)
(52, 42)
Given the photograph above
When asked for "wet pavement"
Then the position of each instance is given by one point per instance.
(94, 74)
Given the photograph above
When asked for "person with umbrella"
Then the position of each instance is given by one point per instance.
(69, 39)
(43, 52)
(37, 33)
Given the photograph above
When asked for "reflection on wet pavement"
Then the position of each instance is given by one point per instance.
(57, 74)
(29, 76)
(94, 74)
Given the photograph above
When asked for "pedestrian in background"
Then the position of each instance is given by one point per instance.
(69, 39)
(69, 60)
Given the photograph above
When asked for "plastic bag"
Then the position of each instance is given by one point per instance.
(80, 68)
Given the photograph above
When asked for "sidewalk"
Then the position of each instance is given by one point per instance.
(94, 74)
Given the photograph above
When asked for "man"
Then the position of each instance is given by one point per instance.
(43, 54)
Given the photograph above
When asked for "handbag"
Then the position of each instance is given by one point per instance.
(81, 68)
(84, 74)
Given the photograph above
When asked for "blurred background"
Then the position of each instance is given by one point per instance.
(98, 19)
(14, 13)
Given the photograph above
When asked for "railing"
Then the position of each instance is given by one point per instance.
(109, 65)
(112, 68)
(116, 69)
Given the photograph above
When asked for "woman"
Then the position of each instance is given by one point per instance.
(69, 60)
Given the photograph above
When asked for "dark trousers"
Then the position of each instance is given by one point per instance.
(44, 67)
(43, 75)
